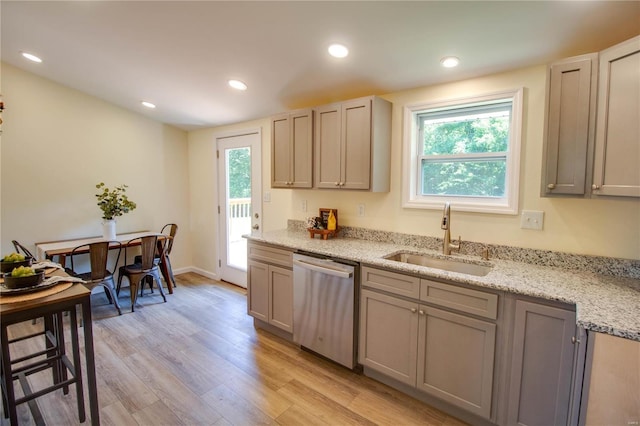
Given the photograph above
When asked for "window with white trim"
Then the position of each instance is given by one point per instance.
(464, 151)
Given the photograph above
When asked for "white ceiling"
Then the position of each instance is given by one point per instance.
(179, 55)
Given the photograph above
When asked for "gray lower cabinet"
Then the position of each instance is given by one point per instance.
(389, 335)
(542, 365)
(511, 360)
(270, 286)
(445, 354)
(456, 359)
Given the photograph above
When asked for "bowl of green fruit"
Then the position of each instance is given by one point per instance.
(14, 260)
(22, 277)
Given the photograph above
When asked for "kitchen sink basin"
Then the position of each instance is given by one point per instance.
(451, 265)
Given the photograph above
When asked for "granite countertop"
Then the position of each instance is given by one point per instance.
(604, 303)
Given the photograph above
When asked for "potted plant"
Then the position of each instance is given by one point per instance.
(113, 203)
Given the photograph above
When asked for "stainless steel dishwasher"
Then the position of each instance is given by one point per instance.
(324, 297)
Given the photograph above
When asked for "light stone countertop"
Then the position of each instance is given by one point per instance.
(604, 303)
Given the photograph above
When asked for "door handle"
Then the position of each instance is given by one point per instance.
(256, 226)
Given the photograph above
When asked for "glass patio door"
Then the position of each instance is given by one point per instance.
(239, 201)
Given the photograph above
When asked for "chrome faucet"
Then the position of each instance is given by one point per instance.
(446, 225)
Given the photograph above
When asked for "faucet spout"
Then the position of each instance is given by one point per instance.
(448, 245)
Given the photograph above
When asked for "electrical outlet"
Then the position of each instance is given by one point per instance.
(531, 219)
(303, 205)
(360, 210)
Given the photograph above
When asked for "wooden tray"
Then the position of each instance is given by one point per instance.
(324, 233)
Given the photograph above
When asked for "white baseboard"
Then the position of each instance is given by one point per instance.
(199, 271)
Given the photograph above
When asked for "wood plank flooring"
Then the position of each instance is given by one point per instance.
(198, 360)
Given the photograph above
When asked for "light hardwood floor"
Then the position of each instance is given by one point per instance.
(198, 360)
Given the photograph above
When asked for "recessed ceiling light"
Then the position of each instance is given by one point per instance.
(148, 104)
(31, 57)
(237, 84)
(338, 51)
(449, 61)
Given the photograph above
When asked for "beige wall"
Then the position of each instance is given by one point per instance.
(57, 143)
(570, 225)
(585, 226)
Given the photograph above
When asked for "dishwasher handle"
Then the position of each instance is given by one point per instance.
(325, 268)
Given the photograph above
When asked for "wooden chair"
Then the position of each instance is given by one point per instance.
(20, 248)
(165, 261)
(147, 267)
(99, 275)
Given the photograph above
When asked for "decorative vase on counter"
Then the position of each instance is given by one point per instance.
(109, 230)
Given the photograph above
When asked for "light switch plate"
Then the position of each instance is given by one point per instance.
(360, 210)
(266, 197)
(532, 219)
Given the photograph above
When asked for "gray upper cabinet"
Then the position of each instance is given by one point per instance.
(592, 130)
(352, 145)
(617, 152)
(292, 150)
(569, 126)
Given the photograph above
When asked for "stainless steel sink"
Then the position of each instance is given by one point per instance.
(451, 265)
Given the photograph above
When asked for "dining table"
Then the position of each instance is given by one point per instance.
(63, 248)
(49, 300)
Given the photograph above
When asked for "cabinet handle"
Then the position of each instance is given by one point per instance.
(421, 312)
(337, 183)
(595, 187)
(414, 310)
(574, 340)
(551, 186)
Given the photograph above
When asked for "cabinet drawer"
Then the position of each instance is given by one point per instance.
(270, 254)
(462, 299)
(402, 285)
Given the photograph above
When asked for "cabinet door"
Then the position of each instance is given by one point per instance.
(570, 124)
(292, 150)
(388, 335)
(327, 146)
(356, 144)
(280, 152)
(258, 290)
(455, 359)
(302, 149)
(617, 156)
(541, 365)
(281, 298)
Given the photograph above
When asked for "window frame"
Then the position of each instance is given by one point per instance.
(411, 172)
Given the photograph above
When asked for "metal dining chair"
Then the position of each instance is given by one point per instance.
(99, 275)
(137, 272)
(164, 261)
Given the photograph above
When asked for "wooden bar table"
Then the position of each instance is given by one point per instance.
(50, 304)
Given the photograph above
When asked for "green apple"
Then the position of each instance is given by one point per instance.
(22, 271)
(13, 257)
